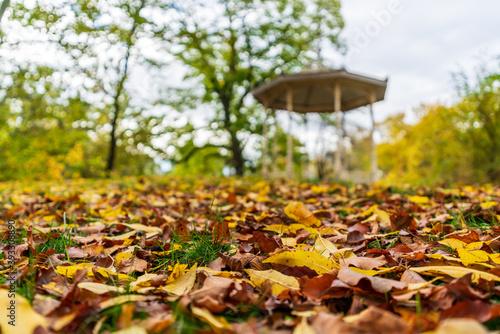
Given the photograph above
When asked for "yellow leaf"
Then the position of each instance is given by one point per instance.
(453, 243)
(329, 230)
(99, 288)
(141, 227)
(124, 299)
(278, 228)
(291, 242)
(456, 272)
(301, 214)
(295, 227)
(63, 321)
(262, 216)
(142, 282)
(132, 330)
(318, 189)
(226, 274)
(25, 319)
(53, 288)
(183, 284)
(280, 281)
(324, 247)
(177, 271)
(304, 328)
(108, 273)
(218, 324)
(112, 213)
(495, 257)
(343, 253)
(301, 258)
(122, 256)
(419, 199)
(383, 216)
(369, 211)
(487, 205)
(469, 257)
(173, 247)
(364, 272)
(69, 271)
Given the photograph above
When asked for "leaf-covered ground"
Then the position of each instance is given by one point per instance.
(246, 256)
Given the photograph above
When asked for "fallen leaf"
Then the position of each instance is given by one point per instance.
(124, 299)
(218, 324)
(24, 318)
(324, 247)
(183, 284)
(301, 214)
(461, 326)
(402, 220)
(378, 284)
(456, 272)
(279, 281)
(99, 288)
(303, 327)
(469, 257)
(300, 258)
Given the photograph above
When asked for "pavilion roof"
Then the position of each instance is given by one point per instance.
(313, 90)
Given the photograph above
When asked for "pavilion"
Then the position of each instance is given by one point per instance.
(321, 91)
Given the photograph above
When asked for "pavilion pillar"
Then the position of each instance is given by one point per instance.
(289, 139)
(265, 148)
(337, 98)
(275, 147)
(373, 148)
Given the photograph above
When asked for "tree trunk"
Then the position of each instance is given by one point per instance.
(4, 6)
(119, 90)
(112, 143)
(238, 160)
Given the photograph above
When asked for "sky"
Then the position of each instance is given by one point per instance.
(417, 45)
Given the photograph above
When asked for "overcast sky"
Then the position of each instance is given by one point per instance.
(418, 44)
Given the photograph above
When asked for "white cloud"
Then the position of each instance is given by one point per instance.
(420, 47)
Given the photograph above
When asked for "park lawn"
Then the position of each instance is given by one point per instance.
(199, 255)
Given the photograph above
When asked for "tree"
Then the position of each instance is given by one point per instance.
(39, 138)
(99, 42)
(480, 121)
(236, 45)
(449, 144)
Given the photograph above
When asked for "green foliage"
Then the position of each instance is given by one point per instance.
(239, 45)
(79, 112)
(460, 143)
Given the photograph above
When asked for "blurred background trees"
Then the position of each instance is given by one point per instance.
(94, 88)
(459, 143)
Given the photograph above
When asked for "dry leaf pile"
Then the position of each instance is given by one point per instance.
(246, 256)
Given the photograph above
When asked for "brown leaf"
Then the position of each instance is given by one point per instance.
(469, 237)
(355, 237)
(402, 220)
(375, 320)
(412, 277)
(476, 309)
(364, 262)
(325, 286)
(381, 285)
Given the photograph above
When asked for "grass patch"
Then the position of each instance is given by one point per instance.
(185, 323)
(201, 247)
(243, 313)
